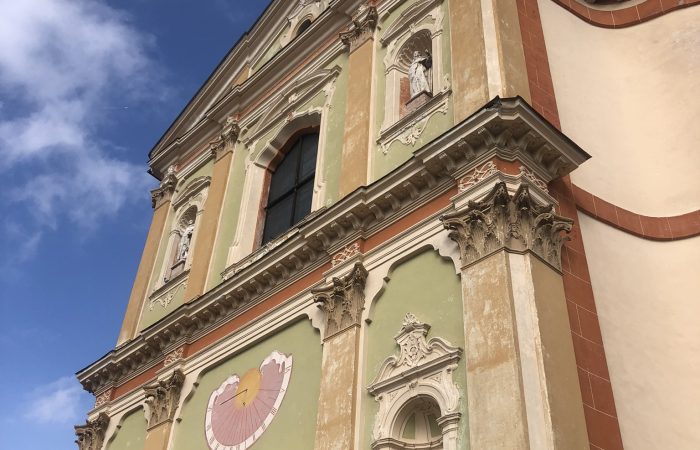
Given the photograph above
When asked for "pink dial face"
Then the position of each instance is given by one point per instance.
(243, 407)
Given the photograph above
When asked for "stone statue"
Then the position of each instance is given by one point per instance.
(185, 241)
(418, 73)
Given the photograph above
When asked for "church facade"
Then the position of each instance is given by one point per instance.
(422, 224)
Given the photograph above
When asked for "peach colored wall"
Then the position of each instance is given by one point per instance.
(647, 300)
(626, 97)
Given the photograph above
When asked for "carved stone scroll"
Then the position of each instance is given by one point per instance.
(162, 398)
(364, 22)
(516, 222)
(91, 435)
(166, 190)
(343, 302)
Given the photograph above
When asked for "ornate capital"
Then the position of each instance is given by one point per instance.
(227, 139)
(343, 301)
(517, 223)
(166, 190)
(91, 436)
(162, 398)
(364, 21)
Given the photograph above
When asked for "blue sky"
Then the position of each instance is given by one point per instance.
(86, 88)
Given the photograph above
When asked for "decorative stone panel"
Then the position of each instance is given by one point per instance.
(422, 369)
(515, 222)
(343, 302)
(163, 397)
(91, 435)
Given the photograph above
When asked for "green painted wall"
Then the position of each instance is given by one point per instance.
(294, 426)
(132, 433)
(398, 152)
(331, 168)
(427, 286)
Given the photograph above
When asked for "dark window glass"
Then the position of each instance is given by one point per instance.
(304, 26)
(291, 188)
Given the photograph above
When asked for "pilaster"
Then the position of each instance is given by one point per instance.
(91, 435)
(342, 304)
(161, 199)
(162, 399)
(356, 140)
(521, 390)
(222, 152)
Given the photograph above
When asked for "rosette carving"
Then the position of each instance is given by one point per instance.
(517, 222)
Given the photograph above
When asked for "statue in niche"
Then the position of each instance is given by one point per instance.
(185, 241)
(418, 73)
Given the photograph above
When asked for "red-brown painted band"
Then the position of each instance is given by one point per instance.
(624, 17)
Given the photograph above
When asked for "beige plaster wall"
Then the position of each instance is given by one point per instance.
(647, 295)
(627, 97)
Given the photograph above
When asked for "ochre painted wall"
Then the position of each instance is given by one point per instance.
(293, 427)
(428, 287)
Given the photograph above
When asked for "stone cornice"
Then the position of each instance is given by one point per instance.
(507, 128)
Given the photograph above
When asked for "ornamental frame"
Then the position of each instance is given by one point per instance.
(423, 368)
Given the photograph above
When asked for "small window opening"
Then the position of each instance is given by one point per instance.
(304, 26)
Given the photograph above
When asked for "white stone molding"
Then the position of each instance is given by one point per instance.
(188, 205)
(165, 295)
(420, 25)
(423, 368)
(285, 112)
(410, 128)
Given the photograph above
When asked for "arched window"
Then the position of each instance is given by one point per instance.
(291, 187)
(304, 26)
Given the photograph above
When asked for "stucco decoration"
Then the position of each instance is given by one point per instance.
(515, 222)
(304, 10)
(422, 369)
(91, 436)
(343, 301)
(364, 22)
(227, 139)
(163, 397)
(417, 31)
(166, 190)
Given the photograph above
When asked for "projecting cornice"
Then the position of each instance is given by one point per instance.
(505, 129)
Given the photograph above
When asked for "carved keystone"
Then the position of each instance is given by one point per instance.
(517, 223)
(343, 301)
(162, 398)
(91, 436)
(364, 21)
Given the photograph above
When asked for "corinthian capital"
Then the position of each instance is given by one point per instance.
(91, 436)
(343, 301)
(518, 223)
(163, 397)
(364, 21)
(166, 190)
(227, 139)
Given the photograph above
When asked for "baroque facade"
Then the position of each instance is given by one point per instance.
(422, 224)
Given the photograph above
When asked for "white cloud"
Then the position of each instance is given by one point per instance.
(59, 402)
(61, 64)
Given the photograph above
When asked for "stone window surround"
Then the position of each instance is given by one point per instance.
(396, 36)
(193, 196)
